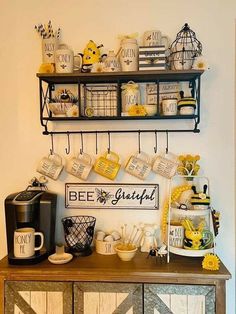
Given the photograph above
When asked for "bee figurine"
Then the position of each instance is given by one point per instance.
(160, 253)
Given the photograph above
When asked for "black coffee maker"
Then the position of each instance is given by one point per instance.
(36, 208)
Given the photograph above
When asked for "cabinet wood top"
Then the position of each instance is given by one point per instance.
(98, 267)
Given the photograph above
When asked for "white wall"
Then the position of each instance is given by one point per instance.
(22, 143)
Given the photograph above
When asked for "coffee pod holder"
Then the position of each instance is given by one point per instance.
(192, 218)
(79, 231)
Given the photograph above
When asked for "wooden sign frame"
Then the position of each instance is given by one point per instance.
(112, 196)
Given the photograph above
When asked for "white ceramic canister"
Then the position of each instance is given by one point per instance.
(169, 106)
(112, 63)
(64, 59)
(129, 54)
(130, 95)
(49, 46)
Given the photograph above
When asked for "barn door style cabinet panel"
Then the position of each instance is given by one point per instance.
(100, 96)
(184, 299)
(105, 285)
(22, 297)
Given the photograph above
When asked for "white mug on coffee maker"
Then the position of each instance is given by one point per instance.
(24, 242)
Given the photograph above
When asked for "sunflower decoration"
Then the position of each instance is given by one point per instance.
(211, 262)
(188, 165)
(200, 63)
(137, 110)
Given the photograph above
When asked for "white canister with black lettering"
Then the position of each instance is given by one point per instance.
(129, 54)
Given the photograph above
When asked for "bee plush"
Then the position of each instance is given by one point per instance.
(200, 200)
(90, 55)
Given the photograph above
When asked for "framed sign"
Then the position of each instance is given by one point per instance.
(112, 196)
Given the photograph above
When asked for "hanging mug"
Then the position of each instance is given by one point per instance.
(138, 165)
(108, 165)
(50, 166)
(129, 54)
(165, 165)
(80, 167)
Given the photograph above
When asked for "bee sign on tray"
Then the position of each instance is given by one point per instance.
(112, 196)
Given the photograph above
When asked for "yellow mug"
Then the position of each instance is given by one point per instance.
(108, 165)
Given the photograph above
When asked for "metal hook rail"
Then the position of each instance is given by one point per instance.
(120, 131)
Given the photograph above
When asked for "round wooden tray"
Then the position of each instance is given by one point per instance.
(191, 253)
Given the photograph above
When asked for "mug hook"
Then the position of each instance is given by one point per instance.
(52, 145)
(139, 142)
(82, 143)
(109, 142)
(167, 142)
(155, 147)
(68, 144)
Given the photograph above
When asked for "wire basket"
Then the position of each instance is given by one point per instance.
(100, 100)
(79, 231)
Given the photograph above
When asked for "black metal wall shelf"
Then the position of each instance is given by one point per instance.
(47, 84)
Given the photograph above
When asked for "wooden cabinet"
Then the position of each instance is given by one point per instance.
(106, 285)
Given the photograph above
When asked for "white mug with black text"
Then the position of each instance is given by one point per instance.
(24, 242)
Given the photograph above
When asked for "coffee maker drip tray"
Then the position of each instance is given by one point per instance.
(37, 258)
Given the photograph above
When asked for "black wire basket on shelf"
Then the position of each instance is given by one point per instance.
(79, 231)
(184, 49)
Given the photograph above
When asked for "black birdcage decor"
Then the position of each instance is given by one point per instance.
(184, 49)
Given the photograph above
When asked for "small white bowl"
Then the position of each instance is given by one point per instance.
(125, 252)
(151, 109)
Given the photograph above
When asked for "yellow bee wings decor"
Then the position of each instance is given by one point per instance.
(90, 56)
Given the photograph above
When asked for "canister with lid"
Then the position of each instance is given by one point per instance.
(129, 54)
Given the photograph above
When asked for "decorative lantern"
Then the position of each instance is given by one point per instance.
(184, 49)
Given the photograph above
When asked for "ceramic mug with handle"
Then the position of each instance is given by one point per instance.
(138, 165)
(80, 166)
(65, 61)
(50, 166)
(108, 165)
(24, 242)
(165, 165)
(155, 38)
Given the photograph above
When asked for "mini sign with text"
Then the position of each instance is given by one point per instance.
(117, 196)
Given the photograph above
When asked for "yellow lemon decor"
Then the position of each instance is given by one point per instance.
(137, 110)
(47, 68)
(211, 262)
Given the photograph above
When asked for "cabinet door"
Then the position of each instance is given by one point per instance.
(108, 298)
(38, 297)
(176, 299)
